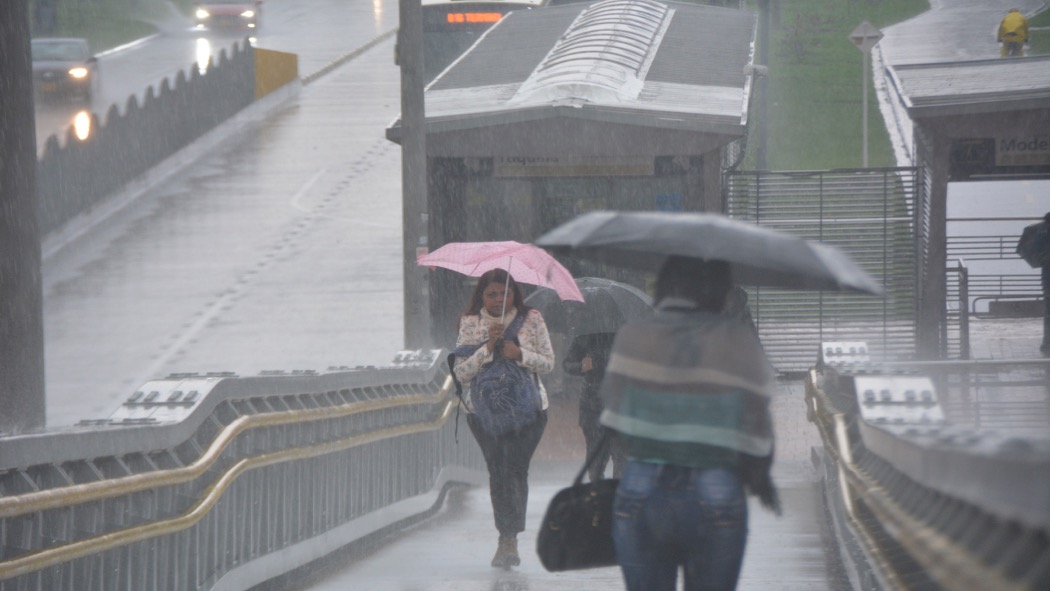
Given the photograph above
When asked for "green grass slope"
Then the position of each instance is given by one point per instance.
(815, 85)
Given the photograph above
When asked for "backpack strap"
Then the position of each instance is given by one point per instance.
(514, 326)
(459, 390)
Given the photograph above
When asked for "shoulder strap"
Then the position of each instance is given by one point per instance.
(514, 326)
(459, 390)
(468, 350)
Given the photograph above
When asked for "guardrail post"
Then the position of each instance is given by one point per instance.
(964, 310)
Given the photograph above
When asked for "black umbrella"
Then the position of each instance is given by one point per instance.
(1034, 245)
(757, 256)
(608, 306)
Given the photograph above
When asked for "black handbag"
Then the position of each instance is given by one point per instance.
(576, 531)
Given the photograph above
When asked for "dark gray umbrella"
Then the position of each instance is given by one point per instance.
(608, 306)
(757, 256)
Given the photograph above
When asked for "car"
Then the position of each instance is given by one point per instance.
(64, 68)
(227, 14)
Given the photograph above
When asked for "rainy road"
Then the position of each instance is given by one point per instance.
(278, 251)
(319, 32)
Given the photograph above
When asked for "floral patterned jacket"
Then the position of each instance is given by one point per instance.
(536, 350)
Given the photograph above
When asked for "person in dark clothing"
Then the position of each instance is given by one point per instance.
(1034, 248)
(737, 306)
(588, 355)
(1045, 277)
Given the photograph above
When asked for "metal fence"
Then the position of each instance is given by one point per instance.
(214, 482)
(990, 287)
(971, 294)
(870, 214)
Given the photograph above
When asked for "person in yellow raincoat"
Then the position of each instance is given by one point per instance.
(1013, 34)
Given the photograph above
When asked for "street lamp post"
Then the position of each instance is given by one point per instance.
(865, 37)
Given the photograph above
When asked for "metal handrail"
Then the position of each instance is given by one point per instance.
(82, 493)
(225, 482)
(60, 554)
(912, 462)
(835, 442)
(947, 562)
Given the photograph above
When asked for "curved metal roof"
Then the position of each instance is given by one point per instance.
(640, 62)
(607, 50)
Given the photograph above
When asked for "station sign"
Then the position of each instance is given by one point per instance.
(1000, 156)
(1029, 150)
(572, 166)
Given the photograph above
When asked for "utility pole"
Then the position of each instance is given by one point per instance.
(413, 172)
(865, 37)
(763, 85)
(21, 296)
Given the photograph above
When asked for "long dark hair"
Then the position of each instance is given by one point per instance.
(704, 282)
(495, 276)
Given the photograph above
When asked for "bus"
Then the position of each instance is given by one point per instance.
(450, 27)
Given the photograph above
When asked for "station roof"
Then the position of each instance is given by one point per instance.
(634, 62)
(974, 87)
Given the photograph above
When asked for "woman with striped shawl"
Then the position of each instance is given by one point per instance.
(687, 391)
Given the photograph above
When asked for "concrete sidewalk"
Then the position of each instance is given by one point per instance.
(1005, 338)
(452, 551)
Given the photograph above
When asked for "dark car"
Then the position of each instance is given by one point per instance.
(227, 14)
(64, 67)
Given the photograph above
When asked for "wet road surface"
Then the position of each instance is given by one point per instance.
(278, 250)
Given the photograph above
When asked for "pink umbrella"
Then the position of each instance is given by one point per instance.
(525, 262)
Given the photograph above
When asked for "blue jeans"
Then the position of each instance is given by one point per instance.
(666, 516)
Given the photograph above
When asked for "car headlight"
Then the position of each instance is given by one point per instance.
(201, 13)
(248, 13)
(78, 72)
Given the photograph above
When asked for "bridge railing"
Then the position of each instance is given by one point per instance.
(924, 490)
(222, 482)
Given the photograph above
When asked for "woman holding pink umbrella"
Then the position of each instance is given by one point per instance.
(498, 324)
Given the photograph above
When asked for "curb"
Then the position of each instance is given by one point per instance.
(80, 225)
(250, 116)
(307, 79)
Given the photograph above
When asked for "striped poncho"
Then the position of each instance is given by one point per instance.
(691, 388)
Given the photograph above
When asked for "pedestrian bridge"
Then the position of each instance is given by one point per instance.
(361, 475)
(893, 474)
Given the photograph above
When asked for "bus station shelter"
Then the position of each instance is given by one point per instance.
(555, 111)
(972, 121)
